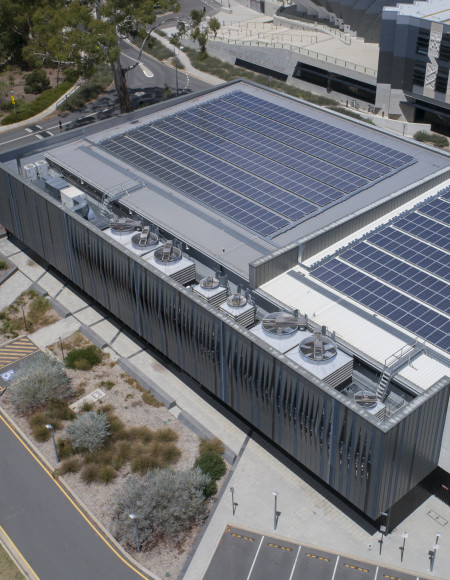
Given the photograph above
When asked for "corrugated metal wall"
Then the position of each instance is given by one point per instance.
(372, 465)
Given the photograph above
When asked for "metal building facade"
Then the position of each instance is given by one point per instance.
(370, 463)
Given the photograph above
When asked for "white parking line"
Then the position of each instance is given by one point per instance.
(254, 560)
(335, 568)
(295, 563)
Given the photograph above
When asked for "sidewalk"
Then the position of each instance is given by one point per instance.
(306, 516)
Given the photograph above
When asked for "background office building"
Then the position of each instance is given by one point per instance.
(290, 261)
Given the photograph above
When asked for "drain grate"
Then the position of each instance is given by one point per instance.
(437, 518)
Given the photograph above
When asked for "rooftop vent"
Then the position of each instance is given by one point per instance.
(282, 323)
(168, 254)
(365, 399)
(236, 300)
(209, 283)
(122, 226)
(318, 348)
(144, 239)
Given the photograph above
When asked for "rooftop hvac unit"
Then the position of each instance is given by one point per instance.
(320, 356)
(282, 330)
(30, 171)
(54, 185)
(370, 403)
(170, 260)
(211, 290)
(238, 307)
(42, 168)
(123, 230)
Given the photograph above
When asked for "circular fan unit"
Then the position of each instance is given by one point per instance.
(143, 240)
(122, 226)
(282, 323)
(167, 254)
(366, 399)
(318, 348)
(209, 283)
(236, 300)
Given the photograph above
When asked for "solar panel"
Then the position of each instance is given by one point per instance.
(255, 162)
(253, 216)
(406, 312)
(437, 209)
(427, 229)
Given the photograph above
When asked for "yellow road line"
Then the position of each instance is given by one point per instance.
(23, 563)
(47, 471)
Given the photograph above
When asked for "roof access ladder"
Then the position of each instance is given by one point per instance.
(394, 364)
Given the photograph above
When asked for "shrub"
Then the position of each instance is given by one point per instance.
(166, 435)
(107, 474)
(84, 359)
(150, 399)
(41, 433)
(89, 431)
(436, 140)
(72, 465)
(143, 463)
(211, 464)
(64, 447)
(90, 473)
(98, 82)
(210, 488)
(3, 265)
(36, 82)
(106, 385)
(167, 503)
(60, 410)
(38, 381)
(101, 457)
(142, 434)
(212, 445)
(86, 407)
(71, 75)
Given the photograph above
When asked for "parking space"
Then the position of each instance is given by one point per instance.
(12, 356)
(244, 555)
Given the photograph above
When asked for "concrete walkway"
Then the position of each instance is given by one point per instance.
(306, 516)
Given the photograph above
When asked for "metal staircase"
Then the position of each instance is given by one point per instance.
(394, 364)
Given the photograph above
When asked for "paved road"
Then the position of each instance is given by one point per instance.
(243, 555)
(49, 531)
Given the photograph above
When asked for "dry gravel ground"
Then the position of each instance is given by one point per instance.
(164, 559)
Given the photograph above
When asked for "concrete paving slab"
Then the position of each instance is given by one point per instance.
(27, 266)
(70, 300)
(51, 284)
(13, 288)
(124, 346)
(106, 330)
(7, 248)
(50, 334)
(88, 316)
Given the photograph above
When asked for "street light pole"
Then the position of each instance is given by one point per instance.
(275, 513)
(138, 544)
(54, 443)
(402, 548)
(433, 553)
(383, 529)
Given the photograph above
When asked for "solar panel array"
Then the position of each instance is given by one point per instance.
(402, 271)
(262, 165)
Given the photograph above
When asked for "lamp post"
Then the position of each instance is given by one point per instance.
(233, 505)
(433, 552)
(402, 548)
(134, 518)
(383, 530)
(176, 63)
(275, 513)
(53, 437)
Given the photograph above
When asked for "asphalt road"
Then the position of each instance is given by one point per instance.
(52, 535)
(243, 555)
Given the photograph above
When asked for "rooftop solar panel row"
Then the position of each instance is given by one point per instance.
(437, 209)
(232, 205)
(413, 250)
(407, 312)
(426, 229)
(322, 130)
(409, 279)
